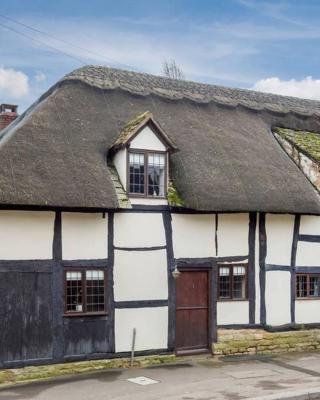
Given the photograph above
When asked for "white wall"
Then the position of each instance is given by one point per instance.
(307, 311)
(140, 275)
(147, 140)
(120, 162)
(139, 230)
(309, 225)
(151, 326)
(308, 254)
(232, 312)
(193, 235)
(233, 235)
(26, 235)
(84, 236)
(279, 230)
(278, 297)
(149, 201)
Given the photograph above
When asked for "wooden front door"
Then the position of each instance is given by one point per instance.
(192, 311)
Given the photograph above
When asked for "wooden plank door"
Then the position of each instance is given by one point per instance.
(192, 311)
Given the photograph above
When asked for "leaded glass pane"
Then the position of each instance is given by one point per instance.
(74, 292)
(156, 175)
(136, 173)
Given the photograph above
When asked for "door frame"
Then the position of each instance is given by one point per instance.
(211, 268)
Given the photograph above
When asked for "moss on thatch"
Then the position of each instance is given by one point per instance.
(173, 196)
(131, 126)
(308, 142)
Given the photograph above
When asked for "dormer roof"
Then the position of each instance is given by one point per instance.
(135, 125)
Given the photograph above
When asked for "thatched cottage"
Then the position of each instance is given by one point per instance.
(172, 209)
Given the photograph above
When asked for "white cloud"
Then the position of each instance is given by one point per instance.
(307, 88)
(13, 84)
(40, 77)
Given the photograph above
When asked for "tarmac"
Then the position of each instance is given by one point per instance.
(289, 376)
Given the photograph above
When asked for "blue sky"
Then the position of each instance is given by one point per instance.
(265, 45)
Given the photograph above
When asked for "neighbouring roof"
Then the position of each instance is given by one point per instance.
(307, 142)
(133, 127)
(228, 160)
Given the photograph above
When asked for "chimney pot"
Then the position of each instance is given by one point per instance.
(8, 113)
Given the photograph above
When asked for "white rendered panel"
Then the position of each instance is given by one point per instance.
(278, 298)
(26, 235)
(151, 328)
(232, 312)
(84, 236)
(233, 235)
(120, 162)
(147, 140)
(309, 225)
(140, 275)
(149, 201)
(279, 231)
(307, 311)
(139, 230)
(193, 235)
(308, 254)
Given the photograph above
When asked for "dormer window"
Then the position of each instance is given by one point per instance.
(147, 173)
(140, 155)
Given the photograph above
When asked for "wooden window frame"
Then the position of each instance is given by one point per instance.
(308, 276)
(83, 271)
(230, 267)
(145, 154)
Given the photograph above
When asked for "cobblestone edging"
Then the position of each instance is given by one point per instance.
(258, 341)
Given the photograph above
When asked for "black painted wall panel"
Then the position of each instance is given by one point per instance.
(25, 316)
(87, 335)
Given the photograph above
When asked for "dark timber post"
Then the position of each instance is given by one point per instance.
(57, 292)
(111, 282)
(166, 215)
(262, 265)
(296, 229)
(252, 267)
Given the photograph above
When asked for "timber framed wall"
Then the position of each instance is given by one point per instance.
(141, 288)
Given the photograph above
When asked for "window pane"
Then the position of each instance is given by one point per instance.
(301, 286)
(239, 271)
(95, 291)
(156, 174)
(74, 292)
(239, 286)
(224, 282)
(136, 173)
(314, 286)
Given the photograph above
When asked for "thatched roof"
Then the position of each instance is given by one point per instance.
(228, 160)
(306, 142)
(133, 127)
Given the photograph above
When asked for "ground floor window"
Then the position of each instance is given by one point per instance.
(307, 285)
(232, 282)
(85, 291)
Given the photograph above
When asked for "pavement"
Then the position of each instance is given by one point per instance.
(294, 376)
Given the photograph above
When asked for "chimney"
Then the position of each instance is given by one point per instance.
(8, 113)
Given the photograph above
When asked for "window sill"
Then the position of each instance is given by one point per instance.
(81, 314)
(142, 196)
(308, 298)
